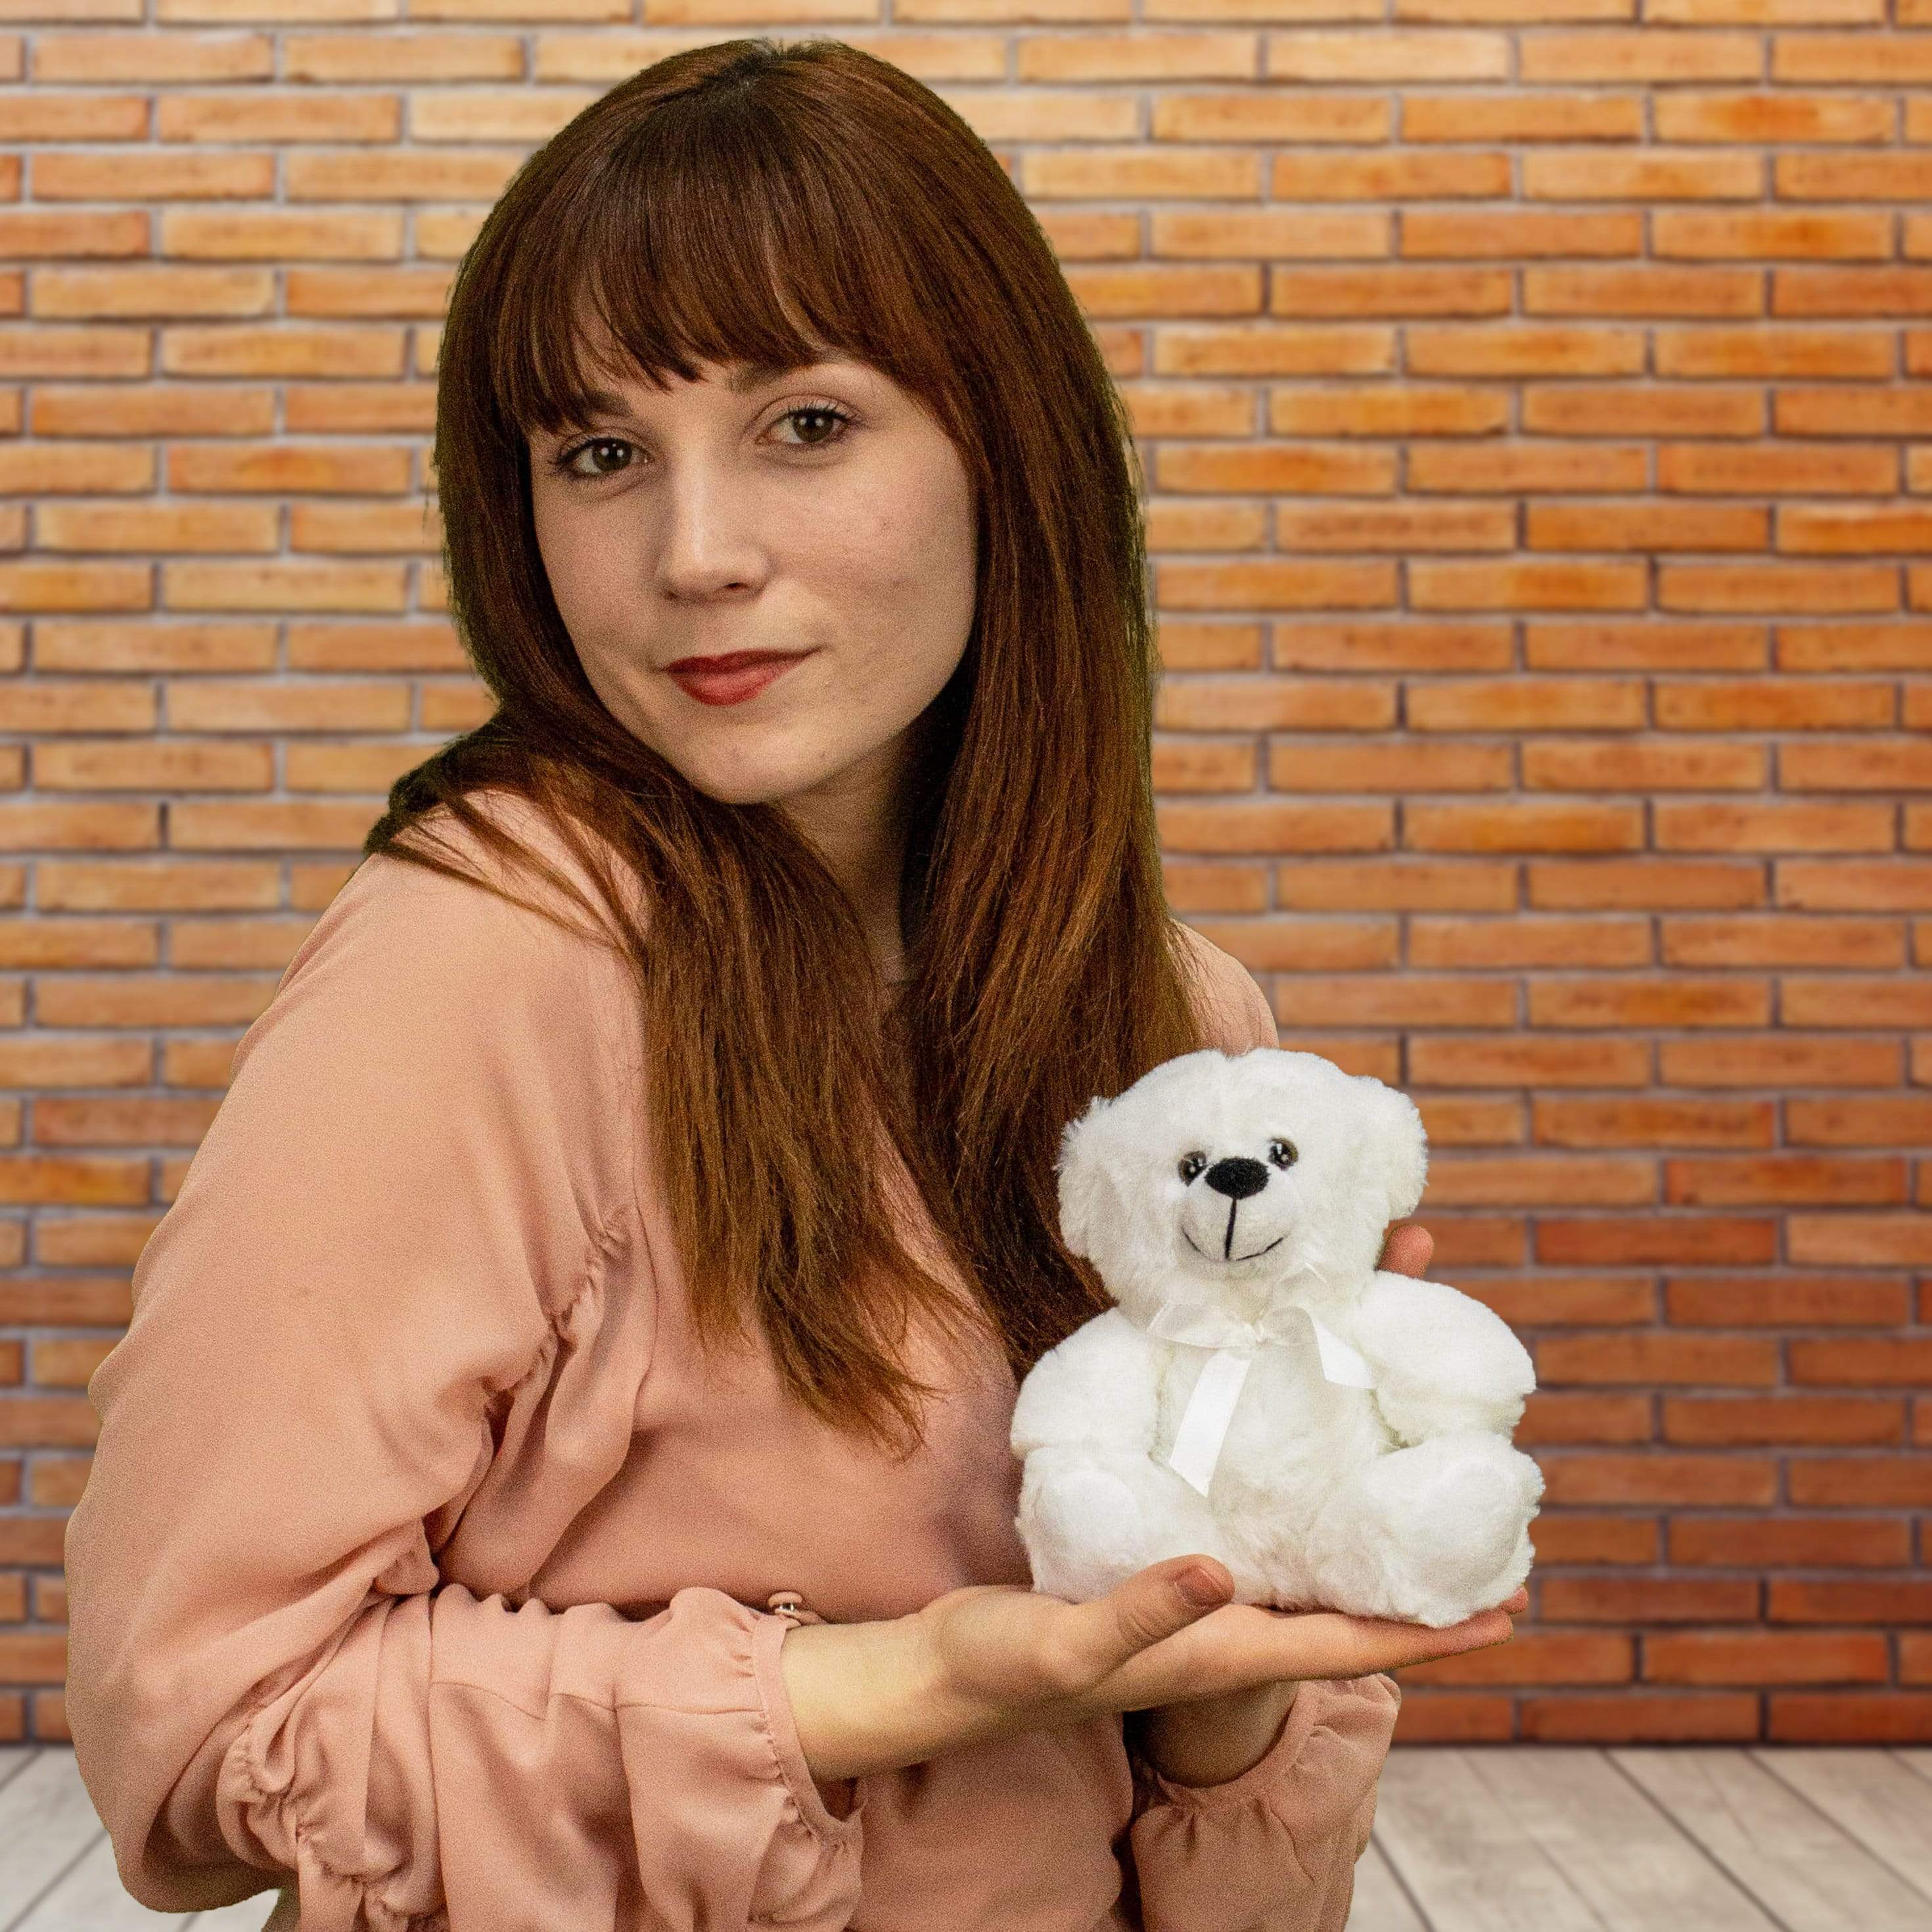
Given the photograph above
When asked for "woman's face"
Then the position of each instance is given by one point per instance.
(709, 518)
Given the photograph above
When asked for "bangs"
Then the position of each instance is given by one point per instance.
(702, 239)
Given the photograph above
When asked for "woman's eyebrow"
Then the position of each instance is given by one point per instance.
(755, 375)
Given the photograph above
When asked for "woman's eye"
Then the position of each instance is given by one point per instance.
(826, 411)
(567, 460)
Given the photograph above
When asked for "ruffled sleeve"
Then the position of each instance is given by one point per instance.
(388, 1259)
(1274, 1850)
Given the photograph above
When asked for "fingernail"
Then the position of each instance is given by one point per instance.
(1198, 1587)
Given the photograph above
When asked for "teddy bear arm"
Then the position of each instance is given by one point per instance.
(1443, 1361)
(1099, 1385)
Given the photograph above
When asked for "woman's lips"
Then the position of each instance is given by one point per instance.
(734, 685)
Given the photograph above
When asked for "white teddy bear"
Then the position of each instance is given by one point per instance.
(1338, 1435)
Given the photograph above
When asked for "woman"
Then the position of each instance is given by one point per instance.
(556, 1478)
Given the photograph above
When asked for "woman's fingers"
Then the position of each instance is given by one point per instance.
(1242, 1645)
(1406, 1248)
(1093, 1638)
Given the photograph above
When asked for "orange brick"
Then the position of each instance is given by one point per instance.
(1737, 1181)
(1376, 768)
(1782, 939)
(1586, 1001)
(1869, 1482)
(1444, 941)
(1859, 1240)
(1394, 999)
(1562, 1121)
(1649, 1599)
(1642, 644)
(1774, 1061)
(1380, 644)
(1656, 1477)
(1766, 1657)
(1879, 1121)
(1659, 882)
(1520, 703)
(1525, 826)
(1903, 645)
(1867, 1000)
(1519, 115)
(1383, 53)
(1898, 885)
(1762, 117)
(1778, 1421)
(1645, 526)
(1688, 1240)
(1569, 765)
(1477, 885)
(1638, 54)
(1734, 1361)
(1790, 1543)
(1448, 1061)
(1884, 764)
(1722, 825)
(1780, 469)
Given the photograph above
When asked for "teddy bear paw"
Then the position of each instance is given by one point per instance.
(1453, 1509)
(1082, 1531)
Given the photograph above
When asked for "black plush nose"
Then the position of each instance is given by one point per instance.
(1236, 1177)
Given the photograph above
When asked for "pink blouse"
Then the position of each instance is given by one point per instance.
(422, 1567)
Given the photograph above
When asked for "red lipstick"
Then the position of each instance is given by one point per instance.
(731, 676)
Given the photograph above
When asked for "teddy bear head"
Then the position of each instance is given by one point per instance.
(1239, 1181)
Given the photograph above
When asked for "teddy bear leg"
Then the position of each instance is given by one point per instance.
(1429, 1534)
(1090, 1518)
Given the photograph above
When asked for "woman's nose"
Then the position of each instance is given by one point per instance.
(706, 534)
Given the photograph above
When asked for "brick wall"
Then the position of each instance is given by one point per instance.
(1528, 390)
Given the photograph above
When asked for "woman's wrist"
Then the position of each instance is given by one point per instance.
(1215, 1739)
(865, 1698)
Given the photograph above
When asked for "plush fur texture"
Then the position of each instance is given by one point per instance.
(1251, 1186)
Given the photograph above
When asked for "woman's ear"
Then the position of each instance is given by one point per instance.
(1393, 1149)
(1087, 1191)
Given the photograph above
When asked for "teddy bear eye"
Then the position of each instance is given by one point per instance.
(1191, 1164)
(1282, 1153)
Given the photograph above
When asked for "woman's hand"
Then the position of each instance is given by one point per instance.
(994, 1658)
(979, 1663)
(1212, 1739)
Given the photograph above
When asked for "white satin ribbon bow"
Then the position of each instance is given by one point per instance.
(1210, 1406)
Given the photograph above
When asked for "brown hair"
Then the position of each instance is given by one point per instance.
(750, 202)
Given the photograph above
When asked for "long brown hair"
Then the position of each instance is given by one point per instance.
(751, 201)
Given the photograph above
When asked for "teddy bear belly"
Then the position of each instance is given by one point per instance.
(1283, 1456)
(1292, 1435)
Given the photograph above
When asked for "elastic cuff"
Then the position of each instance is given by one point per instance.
(768, 1633)
(1314, 1704)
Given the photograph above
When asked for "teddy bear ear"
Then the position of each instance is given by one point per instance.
(1085, 1189)
(1394, 1147)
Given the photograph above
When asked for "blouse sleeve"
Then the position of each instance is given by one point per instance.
(1274, 1850)
(387, 1252)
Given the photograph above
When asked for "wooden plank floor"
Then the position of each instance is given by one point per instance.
(1491, 1838)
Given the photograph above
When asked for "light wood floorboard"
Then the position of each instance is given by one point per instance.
(1485, 1838)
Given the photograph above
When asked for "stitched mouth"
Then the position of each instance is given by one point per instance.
(1206, 1257)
